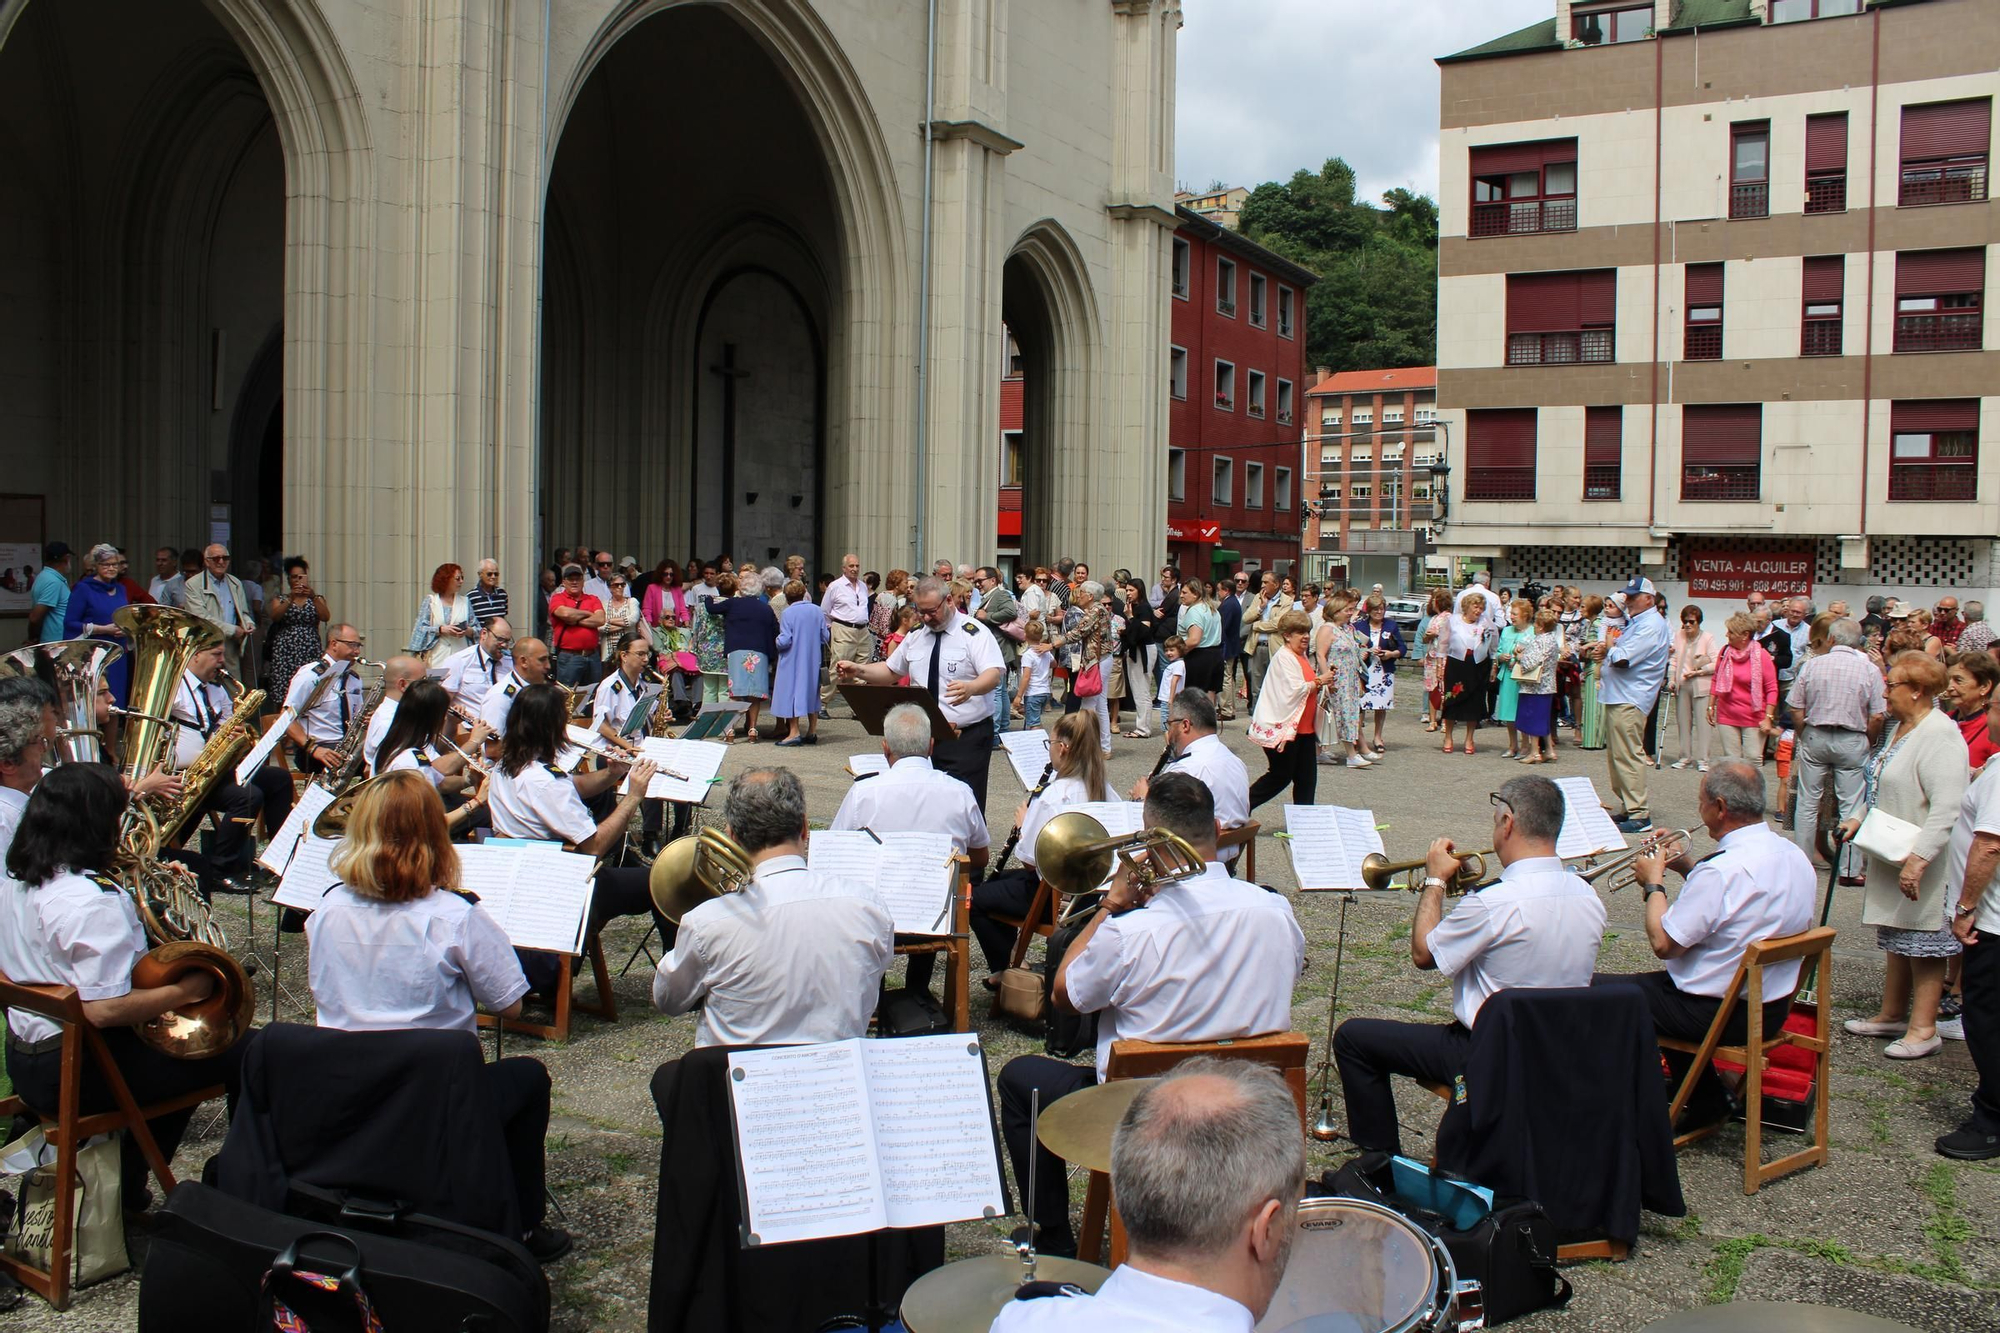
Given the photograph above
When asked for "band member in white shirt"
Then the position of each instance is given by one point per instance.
(618, 693)
(470, 674)
(845, 603)
(1538, 925)
(201, 705)
(419, 742)
(397, 674)
(914, 797)
(955, 658)
(324, 698)
(796, 956)
(396, 945)
(1206, 959)
(1208, 1167)
(27, 741)
(1200, 753)
(531, 667)
(1757, 885)
(1075, 776)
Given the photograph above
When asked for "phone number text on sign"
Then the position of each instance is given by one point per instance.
(1713, 573)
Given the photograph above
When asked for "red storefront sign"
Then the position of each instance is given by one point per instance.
(1715, 572)
(1194, 530)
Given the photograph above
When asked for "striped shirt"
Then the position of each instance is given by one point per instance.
(487, 605)
(1839, 688)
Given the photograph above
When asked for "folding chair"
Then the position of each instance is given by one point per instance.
(605, 1006)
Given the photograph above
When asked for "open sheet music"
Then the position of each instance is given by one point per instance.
(867, 765)
(587, 738)
(307, 877)
(1028, 752)
(277, 853)
(539, 895)
(914, 872)
(1587, 825)
(1328, 843)
(696, 763)
(1118, 817)
(846, 1137)
(261, 751)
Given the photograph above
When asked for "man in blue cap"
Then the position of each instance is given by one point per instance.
(1634, 668)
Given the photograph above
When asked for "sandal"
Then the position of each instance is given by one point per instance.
(1136, 735)
(752, 736)
(1469, 749)
(1449, 749)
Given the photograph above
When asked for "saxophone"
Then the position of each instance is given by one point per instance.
(350, 756)
(218, 758)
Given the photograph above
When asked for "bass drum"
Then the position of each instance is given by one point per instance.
(1357, 1267)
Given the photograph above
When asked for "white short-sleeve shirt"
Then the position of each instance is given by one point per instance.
(969, 651)
(1058, 796)
(616, 698)
(72, 931)
(914, 797)
(468, 675)
(1978, 812)
(326, 721)
(420, 964)
(499, 702)
(417, 759)
(1537, 926)
(538, 802)
(202, 708)
(379, 723)
(1131, 1301)
(1757, 886)
(1216, 766)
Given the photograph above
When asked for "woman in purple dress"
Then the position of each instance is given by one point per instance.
(802, 636)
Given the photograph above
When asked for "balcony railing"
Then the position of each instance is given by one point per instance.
(1559, 349)
(1523, 217)
(1960, 183)
(1820, 337)
(1226, 308)
(1704, 342)
(1723, 481)
(1938, 333)
(1826, 194)
(1750, 199)
(1933, 481)
(1601, 481)
(1500, 483)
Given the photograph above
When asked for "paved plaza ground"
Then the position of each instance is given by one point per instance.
(1887, 1227)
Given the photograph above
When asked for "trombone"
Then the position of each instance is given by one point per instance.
(1379, 872)
(1074, 854)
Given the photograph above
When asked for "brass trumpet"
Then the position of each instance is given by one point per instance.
(1074, 854)
(1669, 843)
(1379, 872)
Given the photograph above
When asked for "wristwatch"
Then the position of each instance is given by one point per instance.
(1652, 889)
(1433, 882)
(1966, 909)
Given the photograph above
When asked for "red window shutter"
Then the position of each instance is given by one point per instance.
(1704, 285)
(1502, 437)
(1542, 302)
(1825, 277)
(1826, 142)
(1603, 435)
(1507, 158)
(1597, 296)
(1947, 129)
(1720, 433)
(1928, 272)
(1933, 414)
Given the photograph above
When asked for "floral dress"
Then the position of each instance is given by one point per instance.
(293, 642)
(1434, 654)
(1340, 702)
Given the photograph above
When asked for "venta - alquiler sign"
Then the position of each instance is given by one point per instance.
(1717, 572)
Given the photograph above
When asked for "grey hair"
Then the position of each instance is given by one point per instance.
(772, 578)
(1973, 611)
(1182, 803)
(1482, 576)
(931, 585)
(1845, 633)
(1190, 1166)
(766, 807)
(1537, 804)
(29, 689)
(20, 727)
(100, 552)
(1194, 708)
(1094, 588)
(906, 730)
(1737, 787)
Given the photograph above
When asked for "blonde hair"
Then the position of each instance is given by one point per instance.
(1294, 622)
(1083, 759)
(1547, 619)
(398, 846)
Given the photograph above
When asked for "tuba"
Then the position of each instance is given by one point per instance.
(1075, 856)
(691, 870)
(185, 939)
(73, 668)
(164, 640)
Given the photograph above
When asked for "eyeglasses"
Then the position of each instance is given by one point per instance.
(604, 564)
(1499, 802)
(219, 559)
(348, 643)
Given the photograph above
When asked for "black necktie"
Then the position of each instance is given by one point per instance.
(492, 670)
(937, 656)
(343, 705)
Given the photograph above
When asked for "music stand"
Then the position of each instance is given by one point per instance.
(713, 721)
(871, 703)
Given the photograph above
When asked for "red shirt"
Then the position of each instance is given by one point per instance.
(1979, 746)
(1305, 725)
(573, 638)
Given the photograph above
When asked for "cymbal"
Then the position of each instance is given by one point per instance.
(1078, 1127)
(970, 1294)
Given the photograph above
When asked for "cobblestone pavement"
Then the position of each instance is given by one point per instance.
(1887, 1227)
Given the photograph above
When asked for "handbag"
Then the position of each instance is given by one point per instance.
(1887, 838)
(97, 1244)
(1524, 676)
(1021, 995)
(1089, 682)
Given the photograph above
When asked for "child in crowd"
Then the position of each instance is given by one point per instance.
(907, 620)
(1173, 677)
(1031, 696)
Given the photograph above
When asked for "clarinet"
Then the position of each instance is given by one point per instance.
(1166, 757)
(1007, 851)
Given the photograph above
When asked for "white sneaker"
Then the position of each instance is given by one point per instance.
(1701, 767)
(1356, 761)
(1951, 1029)
(1678, 764)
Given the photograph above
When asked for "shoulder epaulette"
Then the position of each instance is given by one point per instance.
(103, 881)
(512, 689)
(972, 626)
(557, 772)
(466, 894)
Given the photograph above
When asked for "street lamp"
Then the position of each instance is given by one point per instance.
(1440, 491)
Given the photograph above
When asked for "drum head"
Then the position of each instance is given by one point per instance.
(1355, 1268)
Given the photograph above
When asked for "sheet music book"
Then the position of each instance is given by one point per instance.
(1328, 843)
(914, 872)
(867, 765)
(1028, 752)
(540, 895)
(696, 761)
(1118, 817)
(569, 757)
(308, 876)
(278, 852)
(1587, 825)
(260, 753)
(842, 1138)
(587, 738)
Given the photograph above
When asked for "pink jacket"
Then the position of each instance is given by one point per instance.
(1735, 708)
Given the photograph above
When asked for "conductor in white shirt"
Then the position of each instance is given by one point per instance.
(1199, 752)
(795, 956)
(1201, 959)
(1208, 1166)
(1537, 926)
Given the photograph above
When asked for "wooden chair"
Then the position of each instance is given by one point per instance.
(1244, 836)
(605, 1006)
(1284, 1051)
(1747, 988)
(69, 1129)
(957, 950)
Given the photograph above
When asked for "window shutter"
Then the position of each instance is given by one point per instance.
(1560, 302)
(1928, 272)
(1603, 435)
(1947, 129)
(1826, 142)
(1500, 438)
(1597, 296)
(1704, 285)
(1825, 277)
(1507, 158)
(1721, 433)
(1934, 414)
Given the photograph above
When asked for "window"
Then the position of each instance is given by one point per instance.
(1281, 489)
(1750, 169)
(1177, 474)
(1426, 415)
(1821, 288)
(1360, 491)
(1792, 11)
(1183, 255)
(1934, 449)
(1257, 287)
(1329, 455)
(1010, 458)
(1284, 402)
(1364, 416)
(1722, 446)
(1225, 287)
(1826, 163)
(1013, 371)
(1561, 318)
(1177, 371)
(1256, 393)
(1524, 187)
(1603, 452)
(1392, 416)
(1603, 27)
(1219, 488)
(1944, 152)
(1225, 387)
(1500, 454)
(1938, 300)
(1704, 313)
(1284, 312)
(1329, 417)
(1253, 485)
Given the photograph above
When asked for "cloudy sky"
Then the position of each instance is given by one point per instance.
(1269, 86)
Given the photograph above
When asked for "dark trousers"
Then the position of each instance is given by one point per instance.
(269, 792)
(517, 1088)
(1056, 1079)
(967, 756)
(577, 668)
(1687, 1018)
(1368, 1051)
(1296, 763)
(1982, 1028)
(1010, 893)
(150, 1075)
